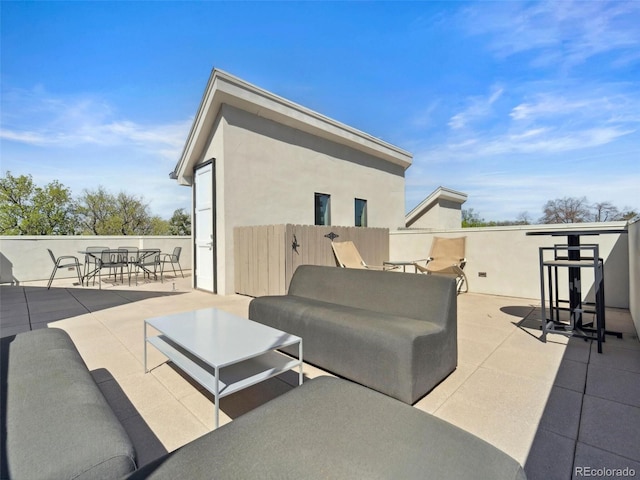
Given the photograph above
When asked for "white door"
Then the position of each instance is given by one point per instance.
(204, 238)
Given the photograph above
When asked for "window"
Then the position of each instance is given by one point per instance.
(361, 213)
(323, 209)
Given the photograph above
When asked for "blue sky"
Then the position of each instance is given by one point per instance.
(513, 103)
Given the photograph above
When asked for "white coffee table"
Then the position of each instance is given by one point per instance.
(222, 352)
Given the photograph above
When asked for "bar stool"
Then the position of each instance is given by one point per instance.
(587, 307)
(571, 257)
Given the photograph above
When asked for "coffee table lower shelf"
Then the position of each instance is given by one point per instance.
(229, 379)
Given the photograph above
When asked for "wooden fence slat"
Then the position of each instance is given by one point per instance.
(266, 256)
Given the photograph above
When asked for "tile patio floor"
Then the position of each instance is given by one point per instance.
(554, 407)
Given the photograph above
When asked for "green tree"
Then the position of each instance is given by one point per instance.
(26, 209)
(102, 213)
(180, 223)
(95, 208)
(159, 226)
(133, 215)
(471, 219)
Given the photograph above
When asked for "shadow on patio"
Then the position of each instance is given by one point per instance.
(24, 308)
(553, 406)
(591, 419)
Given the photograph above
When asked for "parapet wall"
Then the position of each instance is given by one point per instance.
(25, 258)
(504, 260)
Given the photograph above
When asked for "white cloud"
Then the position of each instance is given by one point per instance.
(40, 119)
(505, 193)
(534, 141)
(603, 104)
(478, 108)
(565, 33)
(82, 142)
(424, 118)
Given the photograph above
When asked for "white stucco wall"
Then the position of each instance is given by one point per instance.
(267, 173)
(25, 258)
(634, 272)
(444, 214)
(510, 258)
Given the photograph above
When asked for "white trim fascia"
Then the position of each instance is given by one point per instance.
(224, 88)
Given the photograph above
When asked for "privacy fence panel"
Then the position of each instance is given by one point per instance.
(266, 257)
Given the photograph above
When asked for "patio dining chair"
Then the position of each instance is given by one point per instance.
(65, 261)
(171, 258)
(92, 261)
(132, 256)
(148, 262)
(348, 256)
(114, 259)
(447, 257)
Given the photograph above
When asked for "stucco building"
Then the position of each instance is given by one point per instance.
(254, 158)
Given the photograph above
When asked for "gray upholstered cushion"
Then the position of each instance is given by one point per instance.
(331, 428)
(422, 297)
(393, 332)
(58, 423)
(401, 357)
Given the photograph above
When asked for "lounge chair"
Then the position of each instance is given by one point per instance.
(446, 258)
(348, 256)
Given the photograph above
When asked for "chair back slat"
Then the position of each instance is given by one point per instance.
(347, 255)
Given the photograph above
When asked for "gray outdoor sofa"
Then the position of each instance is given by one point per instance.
(333, 428)
(393, 332)
(56, 425)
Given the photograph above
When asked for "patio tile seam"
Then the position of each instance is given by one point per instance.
(622, 346)
(612, 452)
(583, 394)
(475, 369)
(636, 407)
(24, 292)
(504, 340)
(574, 440)
(595, 395)
(87, 308)
(482, 364)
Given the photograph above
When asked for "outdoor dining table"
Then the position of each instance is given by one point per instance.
(137, 261)
(573, 240)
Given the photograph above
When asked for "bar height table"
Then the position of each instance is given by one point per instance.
(573, 240)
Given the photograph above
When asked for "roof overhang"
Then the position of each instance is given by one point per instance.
(223, 88)
(439, 194)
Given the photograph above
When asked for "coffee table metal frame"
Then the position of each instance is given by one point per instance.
(222, 352)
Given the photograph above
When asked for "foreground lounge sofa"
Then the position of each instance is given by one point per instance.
(56, 424)
(333, 428)
(393, 332)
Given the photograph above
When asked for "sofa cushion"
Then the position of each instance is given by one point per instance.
(401, 357)
(331, 428)
(421, 297)
(58, 423)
